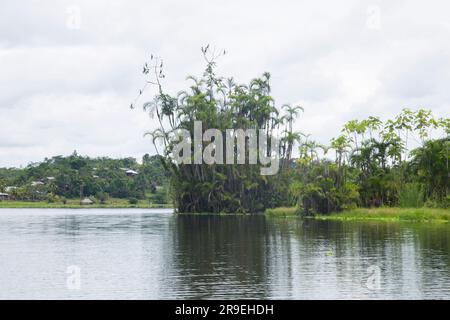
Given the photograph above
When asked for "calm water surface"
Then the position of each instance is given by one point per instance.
(154, 254)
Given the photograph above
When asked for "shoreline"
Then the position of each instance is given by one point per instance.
(75, 204)
(435, 215)
(394, 214)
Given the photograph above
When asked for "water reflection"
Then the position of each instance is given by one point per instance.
(251, 257)
(150, 254)
(213, 254)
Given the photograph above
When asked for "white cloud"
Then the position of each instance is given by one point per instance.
(63, 89)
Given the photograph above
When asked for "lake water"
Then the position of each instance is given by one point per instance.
(154, 254)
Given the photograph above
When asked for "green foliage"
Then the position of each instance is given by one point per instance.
(51, 198)
(372, 168)
(159, 195)
(102, 197)
(411, 195)
(76, 176)
(373, 165)
(429, 165)
(319, 189)
(222, 104)
(133, 201)
(391, 214)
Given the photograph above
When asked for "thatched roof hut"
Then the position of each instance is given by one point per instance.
(86, 201)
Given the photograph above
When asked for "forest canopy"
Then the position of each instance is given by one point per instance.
(76, 176)
(222, 104)
(371, 162)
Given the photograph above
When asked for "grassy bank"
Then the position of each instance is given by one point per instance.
(377, 214)
(75, 204)
(282, 212)
(391, 214)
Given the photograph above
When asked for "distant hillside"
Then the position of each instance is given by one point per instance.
(77, 176)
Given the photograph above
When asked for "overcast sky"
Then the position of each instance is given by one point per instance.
(70, 69)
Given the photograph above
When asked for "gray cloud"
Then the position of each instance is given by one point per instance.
(65, 88)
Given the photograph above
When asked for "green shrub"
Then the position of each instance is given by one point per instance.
(102, 197)
(159, 198)
(411, 196)
(51, 198)
(133, 201)
(446, 203)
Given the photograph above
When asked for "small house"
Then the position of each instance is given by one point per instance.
(131, 173)
(4, 196)
(86, 201)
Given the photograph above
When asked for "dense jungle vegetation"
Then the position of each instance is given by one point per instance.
(222, 104)
(372, 162)
(60, 178)
(373, 165)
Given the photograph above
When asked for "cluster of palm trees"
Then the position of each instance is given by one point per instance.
(372, 159)
(376, 164)
(221, 104)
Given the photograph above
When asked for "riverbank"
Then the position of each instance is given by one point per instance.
(379, 214)
(360, 214)
(391, 214)
(282, 212)
(75, 204)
